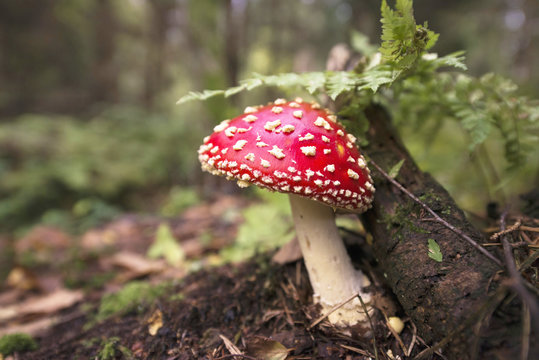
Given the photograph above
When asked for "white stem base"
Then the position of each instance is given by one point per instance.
(333, 278)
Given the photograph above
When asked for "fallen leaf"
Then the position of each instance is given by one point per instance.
(230, 346)
(288, 253)
(21, 278)
(394, 171)
(43, 238)
(267, 349)
(155, 322)
(32, 328)
(434, 251)
(46, 304)
(136, 263)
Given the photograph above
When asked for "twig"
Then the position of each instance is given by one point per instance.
(436, 216)
(356, 350)
(529, 228)
(413, 341)
(236, 355)
(513, 245)
(516, 279)
(430, 349)
(526, 329)
(230, 346)
(372, 326)
(512, 228)
(530, 260)
(332, 310)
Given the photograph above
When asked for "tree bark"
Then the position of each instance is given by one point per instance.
(437, 296)
(445, 300)
(105, 85)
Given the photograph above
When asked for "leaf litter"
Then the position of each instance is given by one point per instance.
(262, 308)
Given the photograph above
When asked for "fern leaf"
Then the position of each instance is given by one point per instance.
(455, 60)
(402, 40)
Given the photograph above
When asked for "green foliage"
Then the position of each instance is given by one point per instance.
(419, 88)
(110, 348)
(403, 42)
(165, 245)
(434, 250)
(479, 105)
(130, 298)
(179, 199)
(267, 225)
(18, 342)
(394, 171)
(67, 171)
(361, 43)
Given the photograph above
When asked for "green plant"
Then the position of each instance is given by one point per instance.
(130, 298)
(111, 347)
(76, 174)
(427, 95)
(179, 199)
(267, 225)
(17, 342)
(166, 246)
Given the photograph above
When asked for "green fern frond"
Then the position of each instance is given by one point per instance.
(480, 105)
(403, 41)
(422, 92)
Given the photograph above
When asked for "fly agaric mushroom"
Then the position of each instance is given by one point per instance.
(299, 149)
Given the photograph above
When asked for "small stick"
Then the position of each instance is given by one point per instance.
(516, 280)
(529, 228)
(437, 217)
(372, 326)
(512, 228)
(236, 355)
(414, 339)
(354, 349)
(332, 310)
(395, 334)
(526, 330)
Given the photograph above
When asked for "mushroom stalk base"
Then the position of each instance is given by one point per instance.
(333, 278)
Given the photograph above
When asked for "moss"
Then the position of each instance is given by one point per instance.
(17, 342)
(132, 297)
(435, 202)
(403, 220)
(111, 347)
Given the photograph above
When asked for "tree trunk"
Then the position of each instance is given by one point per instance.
(155, 77)
(105, 86)
(437, 296)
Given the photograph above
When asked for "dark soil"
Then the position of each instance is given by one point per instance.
(258, 306)
(258, 309)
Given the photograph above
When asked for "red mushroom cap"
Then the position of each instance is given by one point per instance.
(291, 147)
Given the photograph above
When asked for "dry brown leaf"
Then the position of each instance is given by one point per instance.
(288, 253)
(21, 278)
(96, 239)
(230, 346)
(267, 349)
(155, 322)
(136, 263)
(32, 328)
(10, 296)
(46, 304)
(43, 238)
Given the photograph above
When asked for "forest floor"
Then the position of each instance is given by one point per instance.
(99, 296)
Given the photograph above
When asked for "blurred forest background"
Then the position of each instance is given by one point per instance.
(89, 128)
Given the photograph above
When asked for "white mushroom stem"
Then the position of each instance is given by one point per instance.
(333, 278)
